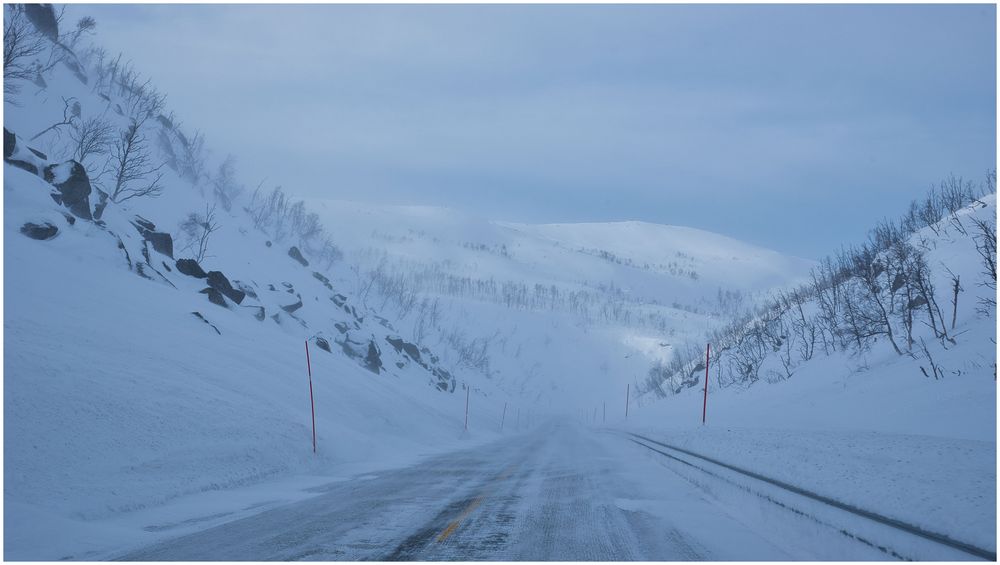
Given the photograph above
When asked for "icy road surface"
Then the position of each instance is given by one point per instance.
(561, 492)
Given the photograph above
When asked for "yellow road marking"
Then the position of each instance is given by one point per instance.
(474, 504)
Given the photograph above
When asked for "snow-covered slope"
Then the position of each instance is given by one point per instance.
(912, 434)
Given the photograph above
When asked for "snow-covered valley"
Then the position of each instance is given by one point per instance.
(183, 352)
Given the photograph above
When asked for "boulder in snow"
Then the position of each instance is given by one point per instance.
(191, 268)
(74, 186)
(161, 241)
(215, 297)
(323, 344)
(39, 231)
(219, 282)
(43, 17)
(402, 346)
(373, 360)
(294, 253)
(18, 154)
(9, 142)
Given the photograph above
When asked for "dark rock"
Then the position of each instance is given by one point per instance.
(339, 299)
(373, 361)
(203, 319)
(215, 297)
(69, 219)
(287, 285)
(294, 253)
(191, 268)
(292, 307)
(23, 165)
(403, 346)
(267, 243)
(219, 282)
(161, 242)
(75, 190)
(323, 344)
(271, 287)
(341, 327)
(9, 142)
(56, 197)
(39, 231)
(446, 382)
(38, 154)
(143, 224)
(43, 17)
(167, 267)
(322, 279)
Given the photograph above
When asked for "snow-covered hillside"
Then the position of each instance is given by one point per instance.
(911, 432)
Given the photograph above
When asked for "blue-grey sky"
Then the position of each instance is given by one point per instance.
(794, 127)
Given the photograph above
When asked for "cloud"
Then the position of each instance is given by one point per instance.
(557, 111)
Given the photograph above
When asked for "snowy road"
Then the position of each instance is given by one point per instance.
(561, 492)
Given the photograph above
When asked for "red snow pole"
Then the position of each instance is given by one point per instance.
(466, 408)
(704, 404)
(504, 416)
(627, 387)
(312, 404)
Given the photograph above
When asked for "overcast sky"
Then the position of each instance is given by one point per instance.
(793, 127)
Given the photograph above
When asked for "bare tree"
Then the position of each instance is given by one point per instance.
(329, 253)
(91, 138)
(21, 44)
(198, 228)
(135, 174)
(225, 185)
(139, 101)
(84, 26)
(191, 156)
(257, 207)
(71, 115)
(956, 287)
(986, 245)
